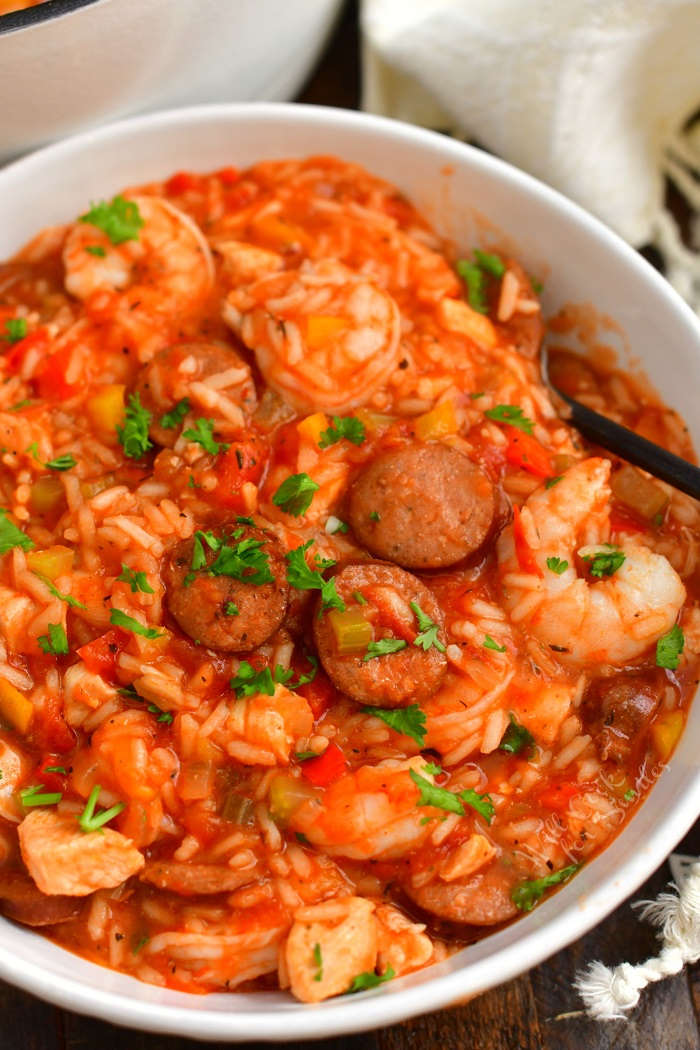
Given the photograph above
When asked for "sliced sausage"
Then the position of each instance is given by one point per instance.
(21, 900)
(192, 879)
(422, 506)
(479, 900)
(225, 608)
(167, 379)
(392, 679)
(619, 710)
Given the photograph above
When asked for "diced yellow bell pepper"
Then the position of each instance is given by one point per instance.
(320, 328)
(374, 421)
(437, 423)
(287, 793)
(352, 632)
(52, 562)
(14, 707)
(458, 316)
(312, 427)
(665, 733)
(47, 495)
(106, 409)
(281, 234)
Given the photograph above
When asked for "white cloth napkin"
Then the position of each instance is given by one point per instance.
(592, 96)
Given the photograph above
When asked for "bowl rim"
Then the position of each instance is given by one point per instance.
(546, 933)
(48, 11)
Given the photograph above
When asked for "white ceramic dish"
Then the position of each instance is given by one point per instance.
(586, 263)
(68, 65)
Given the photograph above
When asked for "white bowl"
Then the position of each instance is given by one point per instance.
(587, 262)
(68, 65)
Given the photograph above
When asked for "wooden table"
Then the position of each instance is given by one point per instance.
(538, 1011)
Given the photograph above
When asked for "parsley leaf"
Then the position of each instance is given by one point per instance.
(515, 738)
(551, 482)
(176, 415)
(428, 636)
(349, 427)
(604, 562)
(246, 561)
(295, 494)
(55, 642)
(67, 598)
(473, 276)
(304, 679)
(669, 648)
(15, 329)
(133, 436)
(511, 414)
(526, 894)
(120, 619)
(248, 682)
(11, 536)
(557, 565)
(407, 720)
(303, 578)
(384, 647)
(318, 959)
(490, 263)
(36, 796)
(91, 821)
(61, 462)
(137, 580)
(203, 434)
(432, 795)
(231, 609)
(364, 981)
(491, 643)
(120, 219)
(481, 803)
(95, 249)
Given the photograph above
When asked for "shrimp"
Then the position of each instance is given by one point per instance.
(613, 619)
(324, 337)
(263, 730)
(372, 812)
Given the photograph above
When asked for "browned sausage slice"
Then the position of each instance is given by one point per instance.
(422, 506)
(482, 899)
(167, 379)
(213, 594)
(23, 901)
(392, 679)
(192, 879)
(619, 710)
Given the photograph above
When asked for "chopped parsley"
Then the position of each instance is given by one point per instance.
(515, 738)
(407, 720)
(304, 679)
(55, 642)
(64, 462)
(249, 682)
(91, 821)
(11, 536)
(526, 894)
(246, 561)
(557, 565)
(95, 249)
(551, 482)
(374, 515)
(629, 795)
(490, 263)
(303, 578)
(349, 427)
(669, 648)
(359, 597)
(67, 598)
(20, 404)
(231, 609)
(176, 415)
(36, 796)
(120, 619)
(120, 219)
(295, 494)
(364, 981)
(428, 636)
(513, 415)
(384, 647)
(604, 562)
(202, 433)
(318, 959)
(304, 756)
(15, 329)
(473, 276)
(133, 436)
(491, 643)
(56, 769)
(452, 802)
(165, 717)
(137, 580)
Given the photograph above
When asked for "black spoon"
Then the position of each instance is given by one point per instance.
(625, 443)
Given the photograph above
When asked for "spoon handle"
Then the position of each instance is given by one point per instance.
(634, 448)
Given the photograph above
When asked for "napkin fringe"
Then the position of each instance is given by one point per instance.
(609, 992)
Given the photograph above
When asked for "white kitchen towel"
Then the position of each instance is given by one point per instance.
(592, 96)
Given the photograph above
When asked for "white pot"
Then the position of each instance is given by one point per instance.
(68, 65)
(459, 188)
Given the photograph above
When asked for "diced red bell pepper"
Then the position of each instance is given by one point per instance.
(558, 795)
(50, 779)
(228, 176)
(319, 694)
(244, 461)
(523, 550)
(50, 730)
(328, 767)
(181, 182)
(51, 376)
(35, 340)
(100, 655)
(525, 451)
(623, 520)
